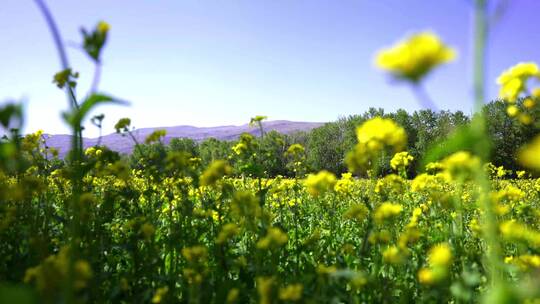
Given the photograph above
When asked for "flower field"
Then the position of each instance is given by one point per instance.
(192, 234)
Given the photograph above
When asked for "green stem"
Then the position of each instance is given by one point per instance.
(57, 38)
(480, 41)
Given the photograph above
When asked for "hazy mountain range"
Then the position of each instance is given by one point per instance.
(123, 144)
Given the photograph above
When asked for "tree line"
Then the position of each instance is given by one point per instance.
(326, 146)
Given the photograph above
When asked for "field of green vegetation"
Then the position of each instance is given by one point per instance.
(428, 207)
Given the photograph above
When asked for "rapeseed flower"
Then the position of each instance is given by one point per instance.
(440, 255)
(274, 238)
(401, 161)
(317, 184)
(529, 155)
(291, 292)
(461, 164)
(513, 81)
(215, 171)
(387, 211)
(379, 132)
(415, 56)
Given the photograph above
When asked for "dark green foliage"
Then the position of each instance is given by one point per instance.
(184, 144)
(327, 145)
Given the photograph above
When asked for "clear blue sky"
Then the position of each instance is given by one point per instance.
(215, 62)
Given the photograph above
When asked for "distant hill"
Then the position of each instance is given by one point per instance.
(125, 145)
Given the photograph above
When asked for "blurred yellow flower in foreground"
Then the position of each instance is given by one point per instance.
(513, 81)
(440, 255)
(378, 132)
(415, 56)
(529, 156)
(321, 182)
(103, 27)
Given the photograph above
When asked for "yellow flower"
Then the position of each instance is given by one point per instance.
(512, 110)
(295, 149)
(440, 255)
(274, 238)
(195, 254)
(461, 164)
(326, 270)
(415, 56)
(291, 292)
(391, 183)
(401, 160)
(379, 132)
(356, 211)
(393, 255)
(529, 155)
(232, 296)
(228, 231)
(425, 276)
(529, 103)
(215, 171)
(345, 184)
(321, 182)
(160, 293)
(525, 119)
(536, 93)
(513, 81)
(103, 27)
(386, 211)
(264, 287)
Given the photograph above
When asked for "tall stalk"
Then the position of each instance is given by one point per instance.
(76, 153)
(490, 226)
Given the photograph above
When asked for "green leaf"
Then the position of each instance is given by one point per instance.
(472, 137)
(10, 112)
(77, 115)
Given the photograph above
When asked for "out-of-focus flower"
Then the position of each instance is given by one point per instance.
(414, 57)
(513, 81)
(215, 171)
(291, 292)
(317, 184)
(274, 238)
(387, 211)
(379, 132)
(529, 155)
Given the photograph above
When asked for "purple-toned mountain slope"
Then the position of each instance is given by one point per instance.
(123, 144)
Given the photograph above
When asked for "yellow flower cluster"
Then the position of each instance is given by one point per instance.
(439, 259)
(374, 136)
(524, 262)
(54, 270)
(317, 184)
(514, 84)
(461, 164)
(214, 172)
(291, 292)
(274, 238)
(514, 80)
(379, 132)
(345, 184)
(414, 57)
(393, 255)
(387, 211)
(401, 160)
(529, 156)
(514, 231)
